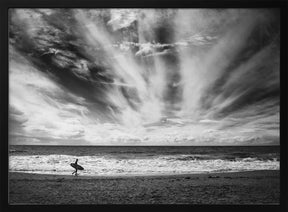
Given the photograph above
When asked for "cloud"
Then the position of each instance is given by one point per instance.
(144, 77)
(122, 18)
(37, 103)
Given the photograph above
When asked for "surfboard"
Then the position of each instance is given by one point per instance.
(76, 166)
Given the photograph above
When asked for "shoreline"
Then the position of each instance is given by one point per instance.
(38, 176)
(251, 187)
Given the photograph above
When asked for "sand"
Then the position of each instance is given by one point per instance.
(254, 187)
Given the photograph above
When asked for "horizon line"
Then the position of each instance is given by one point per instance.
(141, 145)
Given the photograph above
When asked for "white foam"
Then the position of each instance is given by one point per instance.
(103, 166)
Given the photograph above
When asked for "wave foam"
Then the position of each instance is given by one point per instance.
(103, 166)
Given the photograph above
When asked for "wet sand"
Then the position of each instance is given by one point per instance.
(254, 187)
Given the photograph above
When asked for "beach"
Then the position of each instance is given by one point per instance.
(253, 187)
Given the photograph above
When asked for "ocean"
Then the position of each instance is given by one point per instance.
(142, 160)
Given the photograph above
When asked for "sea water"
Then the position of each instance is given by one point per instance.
(142, 160)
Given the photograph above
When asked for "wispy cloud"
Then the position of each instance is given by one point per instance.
(39, 104)
(144, 76)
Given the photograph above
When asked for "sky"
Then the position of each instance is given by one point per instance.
(144, 76)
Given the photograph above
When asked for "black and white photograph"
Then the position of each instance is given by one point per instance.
(144, 106)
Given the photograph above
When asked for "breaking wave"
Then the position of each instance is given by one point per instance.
(154, 165)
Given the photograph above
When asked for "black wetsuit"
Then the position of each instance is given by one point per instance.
(75, 167)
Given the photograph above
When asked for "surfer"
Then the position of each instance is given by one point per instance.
(76, 167)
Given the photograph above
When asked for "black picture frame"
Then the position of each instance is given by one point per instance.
(5, 5)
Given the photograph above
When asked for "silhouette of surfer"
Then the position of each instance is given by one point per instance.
(76, 167)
